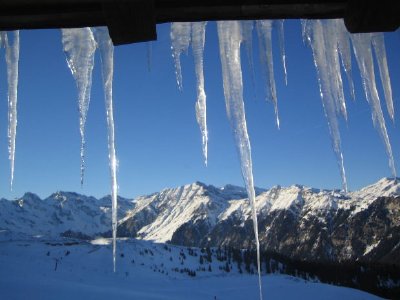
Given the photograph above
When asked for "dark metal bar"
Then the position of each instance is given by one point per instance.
(251, 12)
(26, 14)
(135, 20)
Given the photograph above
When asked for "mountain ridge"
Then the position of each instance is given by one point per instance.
(297, 221)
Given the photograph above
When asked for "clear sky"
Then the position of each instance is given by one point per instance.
(157, 138)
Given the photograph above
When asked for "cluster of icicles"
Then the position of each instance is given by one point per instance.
(331, 47)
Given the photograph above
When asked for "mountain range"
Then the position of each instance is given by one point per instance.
(296, 221)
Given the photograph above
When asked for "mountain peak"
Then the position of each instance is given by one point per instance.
(29, 195)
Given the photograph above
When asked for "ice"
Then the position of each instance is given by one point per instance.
(362, 45)
(10, 41)
(247, 39)
(333, 65)
(230, 38)
(198, 38)
(281, 38)
(264, 31)
(106, 48)
(79, 46)
(344, 47)
(180, 41)
(378, 42)
(320, 39)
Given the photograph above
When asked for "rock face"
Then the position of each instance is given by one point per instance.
(296, 221)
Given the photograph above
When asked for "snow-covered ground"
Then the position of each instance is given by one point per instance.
(63, 269)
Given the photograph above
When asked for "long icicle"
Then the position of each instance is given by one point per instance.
(247, 36)
(107, 66)
(378, 42)
(344, 48)
(198, 39)
(264, 31)
(79, 47)
(331, 38)
(229, 35)
(12, 59)
(281, 38)
(315, 34)
(363, 52)
(180, 40)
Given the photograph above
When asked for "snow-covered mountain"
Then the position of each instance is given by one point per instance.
(297, 221)
(62, 213)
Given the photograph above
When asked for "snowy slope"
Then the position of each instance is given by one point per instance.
(61, 269)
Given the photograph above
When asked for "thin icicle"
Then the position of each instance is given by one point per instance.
(331, 41)
(264, 30)
(305, 31)
(79, 47)
(281, 38)
(11, 41)
(315, 34)
(180, 41)
(343, 40)
(363, 52)
(107, 66)
(247, 36)
(229, 35)
(198, 39)
(378, 42)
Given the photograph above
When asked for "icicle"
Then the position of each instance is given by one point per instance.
(11, 42)
(107, 66)
(79, 47)
(229, 35)
(2, 37)
(315, 34)
(247, 35)
(198, 38)
(344, 48)
(180, 40)
(305, 31)
(363, 52)
(264, 30)
(330, 36)
(281, 37)
(378, 42)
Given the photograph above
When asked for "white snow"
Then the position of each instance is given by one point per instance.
(63, 269)
(371, 247)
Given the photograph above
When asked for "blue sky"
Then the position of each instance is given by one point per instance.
(157, 138)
